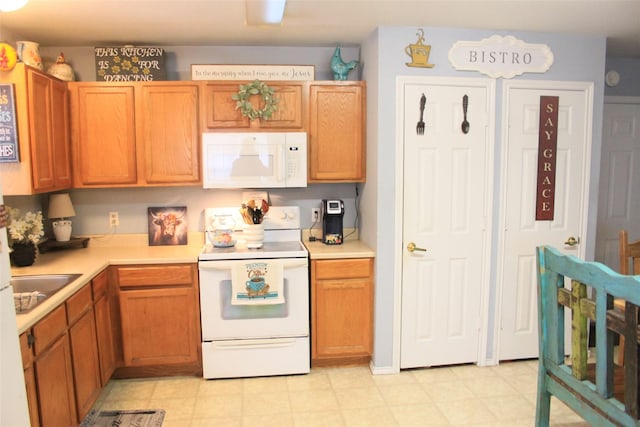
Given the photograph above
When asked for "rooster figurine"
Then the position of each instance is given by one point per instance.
(339, 67)
(61, 69)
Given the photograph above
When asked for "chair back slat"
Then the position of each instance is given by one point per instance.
(592, 398)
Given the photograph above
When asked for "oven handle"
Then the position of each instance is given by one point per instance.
(257, 343)
(228, 265)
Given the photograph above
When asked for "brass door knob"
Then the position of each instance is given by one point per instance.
(412, 247)
(572, 241)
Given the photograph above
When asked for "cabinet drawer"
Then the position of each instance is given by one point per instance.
(78, 303)
(342, 268)
(99, 284)
(49, 328)
(162, 275)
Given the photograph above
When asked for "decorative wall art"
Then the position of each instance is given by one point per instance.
(339, 67)
(8, 57)
(8, 130)
(252, 72)
(419, 52)
(420, 124)
(167, 226)
(499, 56)
(547, 148)
(247, 109)
(129, 64)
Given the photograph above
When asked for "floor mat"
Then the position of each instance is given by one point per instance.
(141, 418)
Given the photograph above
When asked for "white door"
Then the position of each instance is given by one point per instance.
(521, 233)
(447, 187)
(619, 200)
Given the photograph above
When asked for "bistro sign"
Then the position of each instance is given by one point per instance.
(499, 56)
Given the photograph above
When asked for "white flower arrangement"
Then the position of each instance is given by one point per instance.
(26, 229)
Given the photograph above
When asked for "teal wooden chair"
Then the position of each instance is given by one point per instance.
(592, 398)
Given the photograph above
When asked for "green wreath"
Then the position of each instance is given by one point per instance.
(247, 109)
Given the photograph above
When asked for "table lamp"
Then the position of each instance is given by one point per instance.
(60, 207)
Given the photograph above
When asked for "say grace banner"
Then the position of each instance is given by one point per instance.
(547, 153)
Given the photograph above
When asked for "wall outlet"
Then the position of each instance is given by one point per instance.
(114, 221)
(315, 215)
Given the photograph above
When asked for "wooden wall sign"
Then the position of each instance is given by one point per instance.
(129, 64)
(499, 56)
(8, 130)
(547, 154)
(252, 72)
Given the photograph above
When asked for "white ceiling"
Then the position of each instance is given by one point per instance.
(310, 22)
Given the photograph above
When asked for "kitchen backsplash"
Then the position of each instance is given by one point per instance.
(93, 206)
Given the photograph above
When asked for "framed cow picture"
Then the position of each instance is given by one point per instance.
(167, 226)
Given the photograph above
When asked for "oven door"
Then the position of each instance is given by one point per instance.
(222, 320)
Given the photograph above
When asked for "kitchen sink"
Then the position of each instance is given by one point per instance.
(29, 291)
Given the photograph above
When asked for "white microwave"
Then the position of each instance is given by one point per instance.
(254, 160)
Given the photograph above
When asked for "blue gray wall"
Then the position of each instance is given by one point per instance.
(576, 58)
(629, 70)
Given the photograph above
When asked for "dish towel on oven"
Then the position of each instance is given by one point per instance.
(257, 282)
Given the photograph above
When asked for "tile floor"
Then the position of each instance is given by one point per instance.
(466, 395)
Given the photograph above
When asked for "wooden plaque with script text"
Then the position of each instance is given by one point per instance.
(547, 153)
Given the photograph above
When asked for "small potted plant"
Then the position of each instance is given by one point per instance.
(24, 234)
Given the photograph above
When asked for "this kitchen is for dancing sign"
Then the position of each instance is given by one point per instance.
(547, 153)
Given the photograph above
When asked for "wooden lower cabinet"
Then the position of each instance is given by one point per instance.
(32, 395)
(86, 365)
(159, 312)
(62, 363)
(26, 349)
(105, 325)
(341, 311)
(71, 353)
(54, 381)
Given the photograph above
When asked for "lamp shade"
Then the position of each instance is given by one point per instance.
(60, 206)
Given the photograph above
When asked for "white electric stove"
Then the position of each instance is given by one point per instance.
(264, 338)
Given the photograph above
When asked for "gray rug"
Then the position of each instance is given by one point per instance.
(141, 418)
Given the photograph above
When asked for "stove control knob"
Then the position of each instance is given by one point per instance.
(283, 215)
(291, 215)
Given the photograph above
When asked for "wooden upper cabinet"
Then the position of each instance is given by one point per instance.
(135, 134)
(61, 136)
(39, 87)
(103, 134)
(219, 109)
(43, 137)
(289, 110)
(336, 132)
(169, 135)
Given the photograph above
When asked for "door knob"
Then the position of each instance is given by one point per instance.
(412, 247)
(572, 241)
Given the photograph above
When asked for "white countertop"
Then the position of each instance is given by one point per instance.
(104, 251)
(350, 248)
(92, 260)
